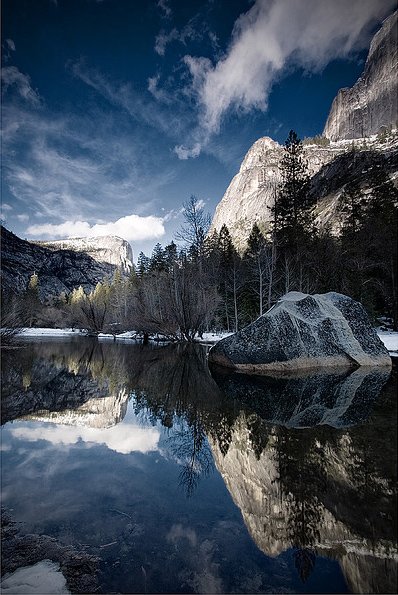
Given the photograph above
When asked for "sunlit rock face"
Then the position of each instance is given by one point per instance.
(372, 102)
(251, 195)
(109, 249)
(304, 332)
(295, 490)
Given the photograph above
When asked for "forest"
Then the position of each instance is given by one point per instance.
(201, 282)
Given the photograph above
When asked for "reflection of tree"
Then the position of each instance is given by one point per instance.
(302, 480)
(304, 561)
(259, 432)
(190, 446)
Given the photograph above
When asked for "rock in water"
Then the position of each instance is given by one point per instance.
(304, 331)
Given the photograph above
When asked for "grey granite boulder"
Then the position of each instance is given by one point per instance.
(304, 331)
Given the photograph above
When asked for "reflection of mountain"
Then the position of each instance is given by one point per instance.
(61, 391)
(316, 492)
(336, 399)
(320, 490)
(103, 412)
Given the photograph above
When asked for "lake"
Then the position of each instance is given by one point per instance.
(182, 479)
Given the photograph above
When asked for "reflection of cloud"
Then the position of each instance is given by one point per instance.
(177, 532)
(204, 574)
(124, 438)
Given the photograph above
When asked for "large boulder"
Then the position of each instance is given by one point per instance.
(304, 331)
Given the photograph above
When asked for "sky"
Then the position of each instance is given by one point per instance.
(115, 112)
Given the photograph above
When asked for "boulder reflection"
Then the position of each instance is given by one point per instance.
(310, 461)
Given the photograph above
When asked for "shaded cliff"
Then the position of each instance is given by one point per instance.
(58, 270)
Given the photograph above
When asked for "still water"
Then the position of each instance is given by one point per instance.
(186, 480)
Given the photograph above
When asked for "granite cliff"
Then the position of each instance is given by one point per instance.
(109, 249)
(371, 103)
(60, 268)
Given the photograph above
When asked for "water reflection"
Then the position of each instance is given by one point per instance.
(309, 461)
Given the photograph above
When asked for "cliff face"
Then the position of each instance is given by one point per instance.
(251, 193)
(372, 102)
(108, 249)
(59, 270)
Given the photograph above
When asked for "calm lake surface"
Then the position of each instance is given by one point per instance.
(183, 480)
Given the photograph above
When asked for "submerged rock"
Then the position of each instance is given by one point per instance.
(304, 331)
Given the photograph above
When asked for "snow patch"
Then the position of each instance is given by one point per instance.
(390, 340)
(42, 578)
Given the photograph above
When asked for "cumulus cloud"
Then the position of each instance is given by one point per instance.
(131, 228)
(271, 36)
(123, 438)
(11, 77)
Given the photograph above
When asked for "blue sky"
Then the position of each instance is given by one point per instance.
(115, 111)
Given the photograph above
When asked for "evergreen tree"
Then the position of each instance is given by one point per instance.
(32, 303)
(353, 206)
(158, 260)
(291, 212)
(142, 264)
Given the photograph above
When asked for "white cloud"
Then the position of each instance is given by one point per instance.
(163, 5)
(6, 207)
(123, 438)
(184, 152)
(271, 36)
(158, 93)
(131, 228)
(163, 39)
(192, 30)
(12, 77)
(23, 218)
(141, 109)
(78, 167)
(10, 44)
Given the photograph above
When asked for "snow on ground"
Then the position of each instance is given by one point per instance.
(213, 337)
(50, 332)
(42, 578)
(389, 338)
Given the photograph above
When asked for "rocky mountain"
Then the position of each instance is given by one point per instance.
(110, 249)
(59, 270)
(371, 103)
(331, 162)
(251, 193)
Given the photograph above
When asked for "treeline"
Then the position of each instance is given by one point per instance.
(207, 284)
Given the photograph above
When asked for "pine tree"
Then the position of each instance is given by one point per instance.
(142, 264)
(291, 212)
(158, 261)
(353, 206)
(32, 304)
